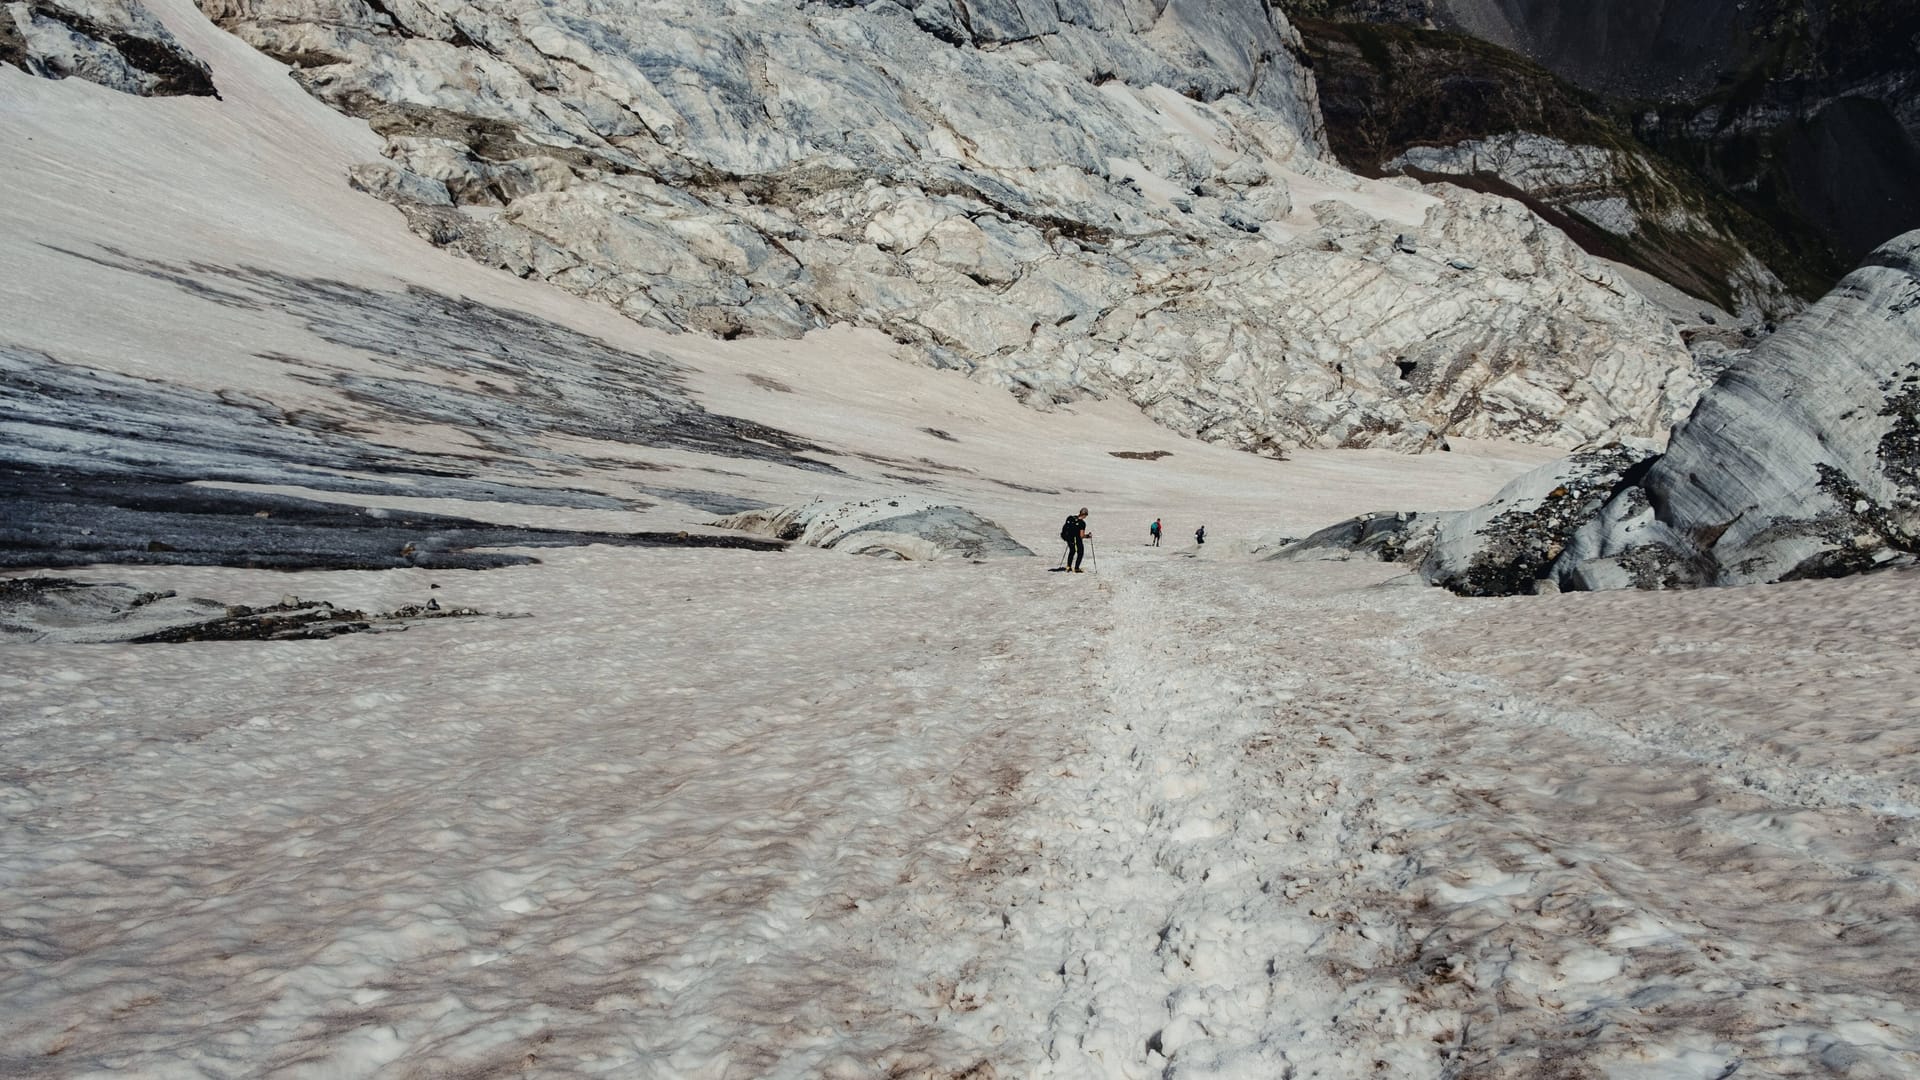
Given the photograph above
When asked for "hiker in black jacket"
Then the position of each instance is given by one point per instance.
(1075, 533)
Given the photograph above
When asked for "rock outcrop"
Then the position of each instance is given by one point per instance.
(900, 528)
(116, 43)
(1415, 101)
(50, 611)
(1500, 548)
(1802, 461)
(1805, 112)
(1066, 200)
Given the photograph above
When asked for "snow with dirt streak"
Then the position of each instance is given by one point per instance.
(716, 814)
(736, 814)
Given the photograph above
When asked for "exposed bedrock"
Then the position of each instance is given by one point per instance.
(116, 43)
(1407, 100)
(1070, 200)
(1802, 461)
(1804, 112)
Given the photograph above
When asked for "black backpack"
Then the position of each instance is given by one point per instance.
(1071, 529)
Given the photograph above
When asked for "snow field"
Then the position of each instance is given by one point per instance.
(729, 814)
(638, 834)
(1299, 843)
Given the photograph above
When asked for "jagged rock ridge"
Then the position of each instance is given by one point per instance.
(1084, 200)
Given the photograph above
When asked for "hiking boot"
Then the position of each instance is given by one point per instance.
(1077, 570)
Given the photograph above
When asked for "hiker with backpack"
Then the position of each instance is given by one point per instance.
(1075, 533)
(1154, 531)
(1200, 535)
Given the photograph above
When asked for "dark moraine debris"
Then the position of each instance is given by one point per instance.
(44, 610)
(1140, 455)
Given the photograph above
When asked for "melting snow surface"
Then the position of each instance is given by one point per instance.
(717, 814)
(802, 814)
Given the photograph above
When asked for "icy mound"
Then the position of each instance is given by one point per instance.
(907, 529)
(1802, 461)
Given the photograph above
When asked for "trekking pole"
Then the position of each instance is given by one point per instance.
(1094, 555)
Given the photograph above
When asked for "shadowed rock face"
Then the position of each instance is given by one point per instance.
(1444, 106)
(1627, 48)
(1066, 200)
(99, 467)
(1806, 112)
(1802, 461)
(116, 43)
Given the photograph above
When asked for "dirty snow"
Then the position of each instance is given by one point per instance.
(798, 814)
(713, 814)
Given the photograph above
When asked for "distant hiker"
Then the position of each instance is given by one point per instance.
(1075, 533)
(1154, 531)
(1200, 535)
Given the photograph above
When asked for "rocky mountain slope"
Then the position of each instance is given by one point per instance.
(1126, 201)
(1411, 101)
(1802, 461)
(1805, 112)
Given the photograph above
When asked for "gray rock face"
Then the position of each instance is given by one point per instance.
(1802, 461)
(1617, 190)
(116, 43)
(901, 528)
(1067, 200)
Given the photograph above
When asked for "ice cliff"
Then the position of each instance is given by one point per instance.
(1068, 200)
